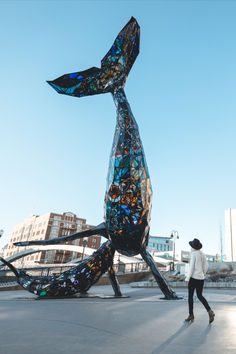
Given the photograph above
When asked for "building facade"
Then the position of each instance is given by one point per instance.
(230, 235)
(48, 226)
(160, 244)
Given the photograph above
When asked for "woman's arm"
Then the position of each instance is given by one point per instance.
(204, 264)
(191, 267)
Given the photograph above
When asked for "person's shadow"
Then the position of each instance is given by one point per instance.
(184, 327)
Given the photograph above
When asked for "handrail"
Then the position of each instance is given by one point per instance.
(122, 268)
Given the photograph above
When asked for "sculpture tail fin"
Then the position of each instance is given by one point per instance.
(115, 67)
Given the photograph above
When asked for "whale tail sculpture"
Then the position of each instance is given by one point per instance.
(128, 196)
(74, 280)
(115, 67)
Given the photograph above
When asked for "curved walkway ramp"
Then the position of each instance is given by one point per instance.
(27, 252)
(79, 249)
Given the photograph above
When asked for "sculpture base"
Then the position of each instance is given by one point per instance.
(101, 296)
(82, 296)
(174, 298)
(55, 297)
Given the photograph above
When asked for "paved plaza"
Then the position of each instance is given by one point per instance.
(140, 324)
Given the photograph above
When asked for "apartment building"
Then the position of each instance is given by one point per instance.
(48, 226)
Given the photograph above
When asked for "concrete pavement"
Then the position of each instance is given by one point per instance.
(140, 324)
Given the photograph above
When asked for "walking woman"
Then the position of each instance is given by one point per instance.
(197, 271)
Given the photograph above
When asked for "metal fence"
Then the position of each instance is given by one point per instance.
(130, 267)
(120, 268)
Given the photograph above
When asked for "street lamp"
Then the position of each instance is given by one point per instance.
(175, 236)
(85, 240)
(118, 260)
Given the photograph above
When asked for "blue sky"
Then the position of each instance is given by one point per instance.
(55, 148)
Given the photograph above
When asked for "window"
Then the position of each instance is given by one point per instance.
(68, 226)
(54, 231)
(57, 217)
(70, 214)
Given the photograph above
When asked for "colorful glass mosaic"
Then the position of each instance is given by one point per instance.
(128, 192)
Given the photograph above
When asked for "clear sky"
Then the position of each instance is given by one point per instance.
(54, 149)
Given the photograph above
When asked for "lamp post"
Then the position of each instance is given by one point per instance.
(118, 260)
(85, 240)
(175, 236)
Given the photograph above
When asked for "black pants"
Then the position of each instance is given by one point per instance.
(198, 285)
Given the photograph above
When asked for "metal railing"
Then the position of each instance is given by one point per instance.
(130, 267)
(120, 268)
